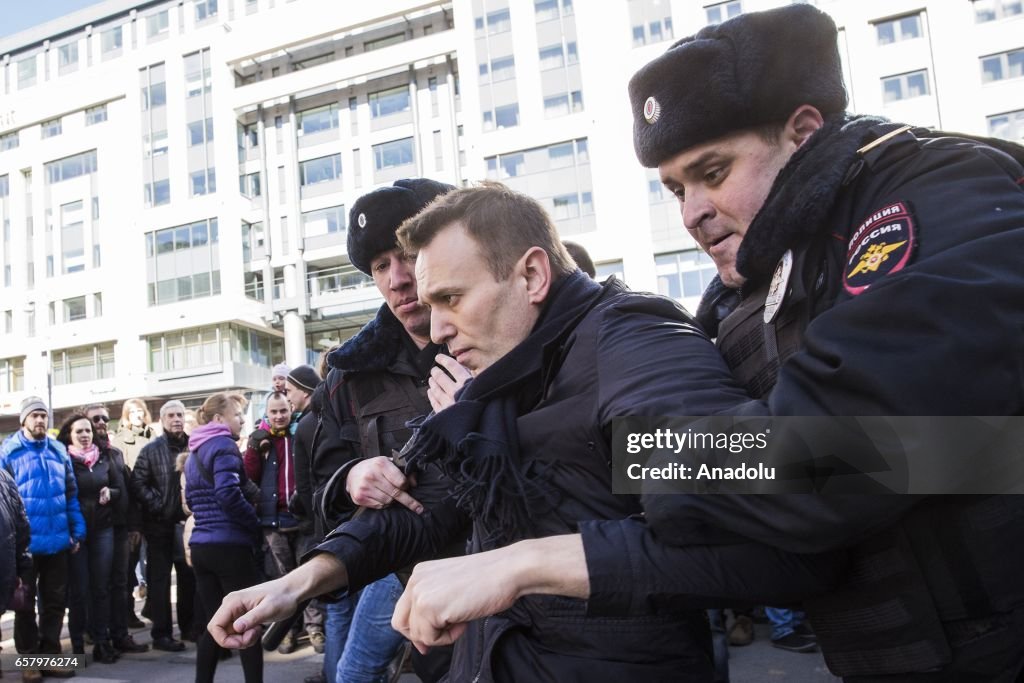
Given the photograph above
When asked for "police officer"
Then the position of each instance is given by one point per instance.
(865, 268)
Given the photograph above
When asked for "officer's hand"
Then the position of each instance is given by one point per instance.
(236, 624)
(377, 483)
(441, 388)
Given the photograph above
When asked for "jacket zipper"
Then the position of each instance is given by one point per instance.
(480, 667)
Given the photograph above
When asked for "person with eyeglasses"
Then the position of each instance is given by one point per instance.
(125, 516)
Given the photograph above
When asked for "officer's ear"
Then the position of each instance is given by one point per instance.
(802, 123)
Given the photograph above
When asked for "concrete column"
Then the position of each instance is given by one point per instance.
(294, 339)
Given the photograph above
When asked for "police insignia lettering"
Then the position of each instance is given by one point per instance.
(881, 244)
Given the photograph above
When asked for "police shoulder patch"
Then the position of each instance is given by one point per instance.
(881, 244)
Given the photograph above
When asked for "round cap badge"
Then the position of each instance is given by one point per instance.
(652, 110)
(361, 220)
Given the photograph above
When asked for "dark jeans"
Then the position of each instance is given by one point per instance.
(89, 594)
(162, 553)
(119, 603)
(221, 569)
(50, 576)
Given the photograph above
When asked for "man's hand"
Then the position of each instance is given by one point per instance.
(236, 624)
(443, 596)
(441, 388)
(75, 545)
(377, 483)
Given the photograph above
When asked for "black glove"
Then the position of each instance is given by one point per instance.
(260, 440)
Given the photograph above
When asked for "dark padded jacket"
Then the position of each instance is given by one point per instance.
(157, 487)
(632, 354)
(14, 535)
(938, 333)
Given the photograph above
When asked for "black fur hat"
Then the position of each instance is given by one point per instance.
(751, 70)
(375, 217)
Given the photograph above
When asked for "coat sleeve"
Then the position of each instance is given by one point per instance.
(76, 522)
(227, 489)
(301, 454)
(942, 336)
(22, 530)
(337, 446)
(143, 488)
(376, 543)
(253, 464)
(632, 572)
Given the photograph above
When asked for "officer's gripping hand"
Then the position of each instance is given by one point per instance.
(377, 483)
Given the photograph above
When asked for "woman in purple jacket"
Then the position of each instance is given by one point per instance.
(227, 529)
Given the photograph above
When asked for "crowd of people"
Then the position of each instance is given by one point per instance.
(448, 481)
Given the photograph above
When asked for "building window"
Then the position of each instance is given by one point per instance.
(94, 115)
(249, 185)
(391, 154)
(387, 102)
(197, 73)
(8, 322)
(318, 119)
(203, 181)
(27, 72)
(1008, 126)
(110, 40)
(651, 21)
(1002, 66)
(553, 57)
(505, 116)
(546, 10)
(503, 69)
(70, 167)
(9, 141)
(498, 21)
(321, 170)
(323, 221)
(154, 87)
(895, 30)
(157, 24)
(991, 10)
(51, 128)
(205, 9)
(561, 105)
(154, 145)
(905, 86)
(716, 14)
(684, 274)
(12, 374)
(82, 364)
(192, 348)
(200, 132)
(379, 43)
(72, 238)
(157, 193)
(67, 57)
(74, 309)
(182, 262)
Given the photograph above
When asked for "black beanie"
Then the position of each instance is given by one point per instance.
(305, 378)
(751, 70)
(375, 217)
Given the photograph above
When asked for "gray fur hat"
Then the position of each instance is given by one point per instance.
(751, 70)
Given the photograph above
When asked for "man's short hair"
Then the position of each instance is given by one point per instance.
(504, 223)
(581, 257)
(170, 405)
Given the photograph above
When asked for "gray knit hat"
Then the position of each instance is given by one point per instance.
(31, 403)
(751, 70)
(304, 377)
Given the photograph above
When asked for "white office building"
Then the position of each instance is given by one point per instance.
(175, 175)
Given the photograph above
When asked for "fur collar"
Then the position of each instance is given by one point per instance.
(802, 196)
(375, 347)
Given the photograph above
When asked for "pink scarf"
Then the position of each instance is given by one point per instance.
(87, 456)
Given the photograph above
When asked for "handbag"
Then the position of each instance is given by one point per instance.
(23, 598)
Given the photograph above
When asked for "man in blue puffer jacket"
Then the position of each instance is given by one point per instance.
(41, 468)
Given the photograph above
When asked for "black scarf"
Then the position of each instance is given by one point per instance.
(475, 441)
